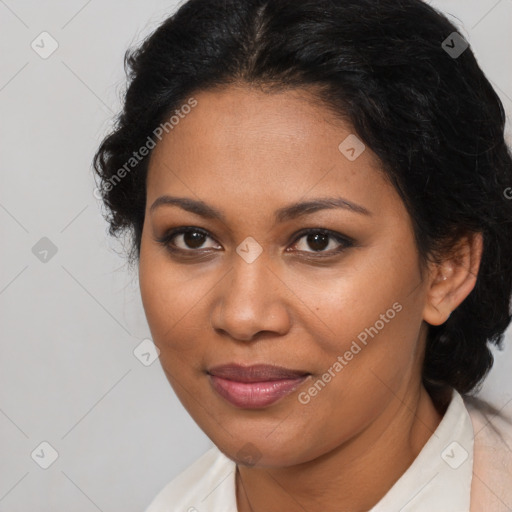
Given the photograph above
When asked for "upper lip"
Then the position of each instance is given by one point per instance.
(255, 373)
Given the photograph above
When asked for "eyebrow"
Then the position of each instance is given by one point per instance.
(284, 214)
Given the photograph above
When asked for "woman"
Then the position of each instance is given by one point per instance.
(315, 196)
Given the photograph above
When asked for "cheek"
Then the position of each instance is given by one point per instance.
(357, 381)
(367, 341)
(364, 303)
(174, 305)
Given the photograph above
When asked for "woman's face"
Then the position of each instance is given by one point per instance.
(253, 288)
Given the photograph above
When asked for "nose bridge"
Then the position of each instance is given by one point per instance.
(250, 269)
(249, 301)
(249, 284)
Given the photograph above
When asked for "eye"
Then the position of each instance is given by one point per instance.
(191, 240)
(320, 239)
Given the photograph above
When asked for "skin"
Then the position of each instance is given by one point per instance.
(249, 153)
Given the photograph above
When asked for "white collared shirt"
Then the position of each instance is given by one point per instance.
(439, 479)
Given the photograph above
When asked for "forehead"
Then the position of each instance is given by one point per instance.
(264, 148)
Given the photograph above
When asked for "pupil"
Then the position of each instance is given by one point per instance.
(194, 239)
(314, 243)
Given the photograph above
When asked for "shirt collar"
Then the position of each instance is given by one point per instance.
(438, 479)
(440, 476)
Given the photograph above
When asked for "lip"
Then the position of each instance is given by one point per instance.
(256, 386)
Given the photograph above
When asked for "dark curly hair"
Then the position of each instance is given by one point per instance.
(390, 68)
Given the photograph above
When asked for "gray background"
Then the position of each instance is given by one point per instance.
(68, 375)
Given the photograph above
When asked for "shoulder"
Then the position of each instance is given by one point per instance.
(492, 467)
(209, 479)
(492, 426)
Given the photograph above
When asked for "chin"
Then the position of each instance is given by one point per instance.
(262, 451)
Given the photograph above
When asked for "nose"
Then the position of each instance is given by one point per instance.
(251, 300)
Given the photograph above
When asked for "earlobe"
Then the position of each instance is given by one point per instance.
(452, 280)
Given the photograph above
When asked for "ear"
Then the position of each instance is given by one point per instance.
(452, 280)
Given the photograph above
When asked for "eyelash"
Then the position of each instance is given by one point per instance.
(167, 238)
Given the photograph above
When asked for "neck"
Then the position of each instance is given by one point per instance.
(356, 475)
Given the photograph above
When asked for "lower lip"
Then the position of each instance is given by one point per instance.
(253, 395)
